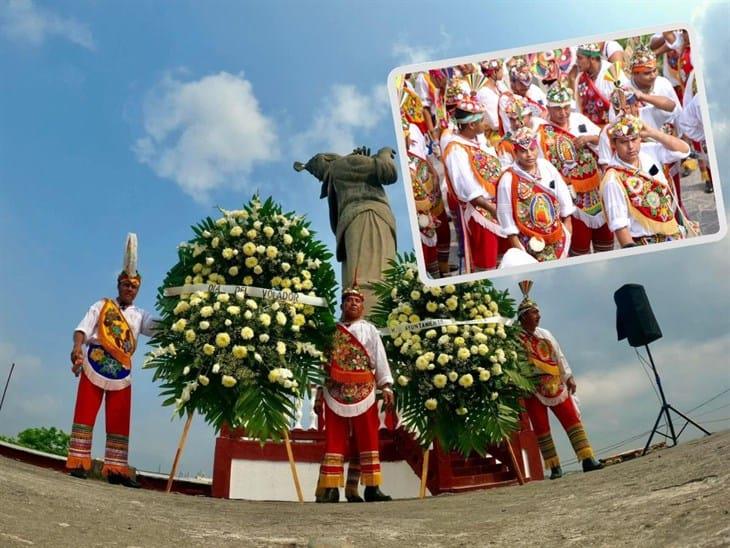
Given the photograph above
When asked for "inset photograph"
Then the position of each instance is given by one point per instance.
(556, 155)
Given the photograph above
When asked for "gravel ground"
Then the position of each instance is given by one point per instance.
(674, 497)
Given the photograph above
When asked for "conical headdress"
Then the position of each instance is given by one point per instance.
(129, 267)
(527, 303)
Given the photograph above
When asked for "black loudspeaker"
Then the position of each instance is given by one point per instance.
(634, 317)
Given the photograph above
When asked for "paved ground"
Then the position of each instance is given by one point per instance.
(700, 206)
(674, 497)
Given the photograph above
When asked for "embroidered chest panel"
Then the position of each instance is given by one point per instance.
(574, 164)
(536, 209)
(648, 196)
(593, 105)
(426, 191)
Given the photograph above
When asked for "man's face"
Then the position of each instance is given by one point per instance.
(583, 62)
(519, 87)
(521, 121)
(127, 292)
(526, 157)
(352, 308)
(560, 115)
(530, 319)
(627, 148)
(646, 79)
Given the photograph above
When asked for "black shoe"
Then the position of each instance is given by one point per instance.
(556, 472)
(79, 473)
(374, 494)
(591, 464)
(119, 479)
(354, 497)
(709, 189)
(330, 494)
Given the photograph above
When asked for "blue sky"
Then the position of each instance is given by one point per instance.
(142, 116)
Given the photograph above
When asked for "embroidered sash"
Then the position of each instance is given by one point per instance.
(425, 186)
(593, 103)
(350, 376)
(115, 335)
(542, 356)
(649, 201)
(412, 109)
(486, 167)
(537, 215)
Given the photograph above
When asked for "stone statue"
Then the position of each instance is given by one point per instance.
(359, 211)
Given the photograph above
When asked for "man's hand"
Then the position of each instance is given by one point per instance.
(362, 151)
(581, 141)
(388, 397)
(77, 359)
(570, 383)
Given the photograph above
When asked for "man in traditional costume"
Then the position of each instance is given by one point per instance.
(521, 83)
(104, 342)
(555, 387)
(569, 140)
(489, 94)
(358, 365)
(691, 126)
(534, 205)
(659, 102)
(639, 202)
(472, 172)
(593, 88)
(433, 223)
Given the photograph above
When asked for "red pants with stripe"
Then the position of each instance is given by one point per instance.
(567, 414)
(337, 445)
(117, 413)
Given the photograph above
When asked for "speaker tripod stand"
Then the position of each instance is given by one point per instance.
(664, 411)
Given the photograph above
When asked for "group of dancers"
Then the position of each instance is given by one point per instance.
(563, 153)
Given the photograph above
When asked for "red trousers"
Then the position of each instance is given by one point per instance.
(117, 413)
(580, 241)
(567, 414)
(337, 444)
(483, 245)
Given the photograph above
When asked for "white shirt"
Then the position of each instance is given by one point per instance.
(490, 99)
(534, 93)
(417, 142)
(675, 46)
(139, 321)
(422, 89)
(464, 183)
(368, 335)
(656, 117)
(547, 174)
(614, 197)
(610, 47)
(690, 120)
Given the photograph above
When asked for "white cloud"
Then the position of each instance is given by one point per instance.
(410, 54)
(24, 22)
(343, 116)
(205, 134)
